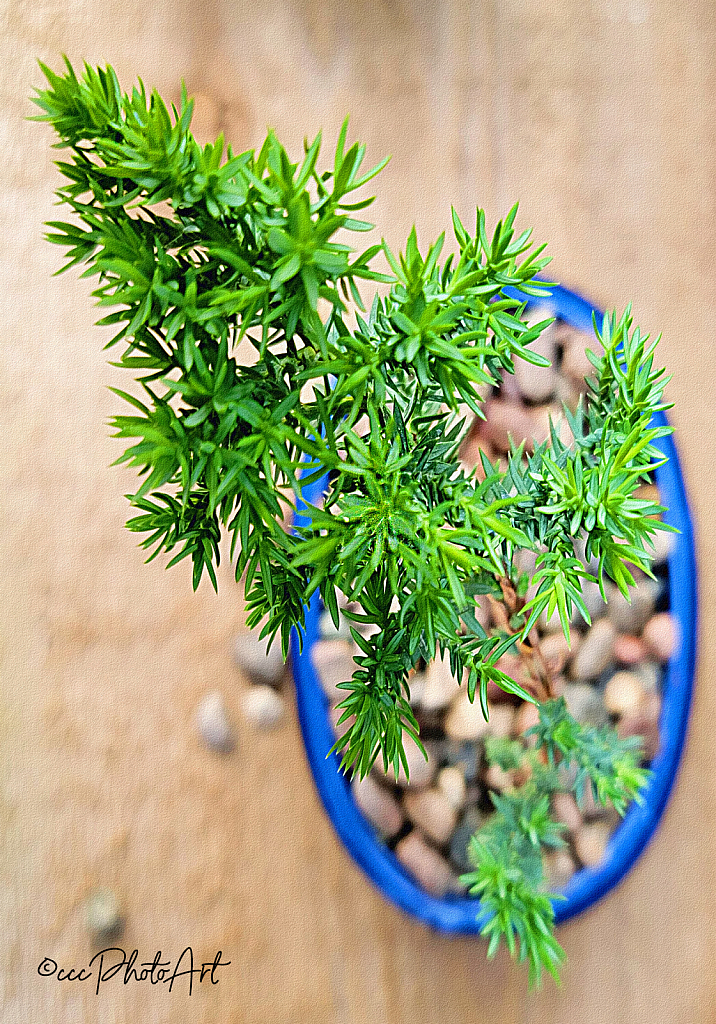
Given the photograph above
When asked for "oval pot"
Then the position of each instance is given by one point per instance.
(458, 914)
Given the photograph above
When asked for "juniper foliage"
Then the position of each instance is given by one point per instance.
(195, 249)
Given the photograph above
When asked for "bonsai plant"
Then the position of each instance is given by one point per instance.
(195, 251)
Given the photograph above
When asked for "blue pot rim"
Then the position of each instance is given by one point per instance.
(459, 914)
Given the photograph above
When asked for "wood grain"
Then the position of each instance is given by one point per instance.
(599, 118)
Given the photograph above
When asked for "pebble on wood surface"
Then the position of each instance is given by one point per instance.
(262, 706)
(212, 723)
(378, 805)
(431, 870)
(253, 658)
(596, 652)
(103, 915)
(433, 813)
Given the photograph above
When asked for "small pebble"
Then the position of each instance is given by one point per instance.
(663, 546)
(460, 842)
(212, 723)
(502, 720)
(650, 673)
(422, 772)
(537, 383)
(263, 707)
(596, 651)
(632, 617)
(440, 685)
(584, 702)
(565, 810)
(451, 783)
(629, 650)
(103, 916)
(590, 842)
(527, 716)
(431, 871)
(624, 693)
(660, 636)
(556, 651)
(467, 756)
(252, 657)
(644, 722)
(558, 867)
(464, 720)
(505, 420)
(499, 779)
(333, 662)
(327, 629)
(575, 362)
(378, 805)
(433, 813)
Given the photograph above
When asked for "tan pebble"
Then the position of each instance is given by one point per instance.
(596, 651)
(631, 616)
(526, 717)
(333, 662)
(421, 772)
(556, 651)
(263, 706)
(206, 118)
(451, 783)
(644, 722)
(661, 635)
(464, 720)
(629, 650)
(540, 424)
(212, 723)
(499, 779)
(584, 702)
(650, 673)
(537, 383)
(431, 871)
(565, 810)
(502, 720)
(558, 868)
(432, 812)
(507, 420)
(255, 659)
(440, 685)
(103, 915)
(378, 805)
(575, 362)
(595, 603)
(590, 842)
(663, 546)
(624, 693)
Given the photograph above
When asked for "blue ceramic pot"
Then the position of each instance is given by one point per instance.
(458, 914)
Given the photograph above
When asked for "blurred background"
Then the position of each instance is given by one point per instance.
(599, 118)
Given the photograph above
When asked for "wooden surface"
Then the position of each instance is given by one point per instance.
(599, 118)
